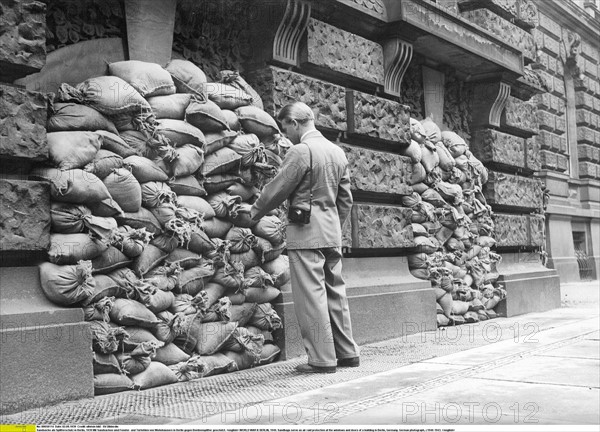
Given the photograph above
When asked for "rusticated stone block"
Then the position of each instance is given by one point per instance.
(585, 135)
(505, 30)
(549, 25)
(584, 118)
(378, 117)
(489, 145)
(377, 226)
(278, 87)
(561, 124)
(588, 153)
(375, 171)
(548, 159)
(590, 52)
(533, 158)
(514, 191)
(588, 170)
(584, 101)
(562, 163)
(373, 7)
(24, 215)
(546, 121)
(23, 116)
(537, 228)
(521, 115)
(344, 52)
(22, 38)
(511, 230)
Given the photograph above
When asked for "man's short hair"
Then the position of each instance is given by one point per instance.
(298, 111)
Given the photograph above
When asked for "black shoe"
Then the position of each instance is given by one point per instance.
(349, 362)
(306, 368)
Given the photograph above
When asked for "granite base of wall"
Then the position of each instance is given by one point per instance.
(530, 287)
(46, 354)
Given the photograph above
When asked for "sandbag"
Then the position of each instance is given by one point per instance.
(232, 120)
(221, 161)
(188, 78)
(180, 132)
(270, 228)
(145, 170)
(104, 287)
(447, 162)
(130, 241)
(242, 218)
(106, 339)
(169, 327)
(205, 116)
(138, 360)
(216, 364)
(216, 227)
(73, 186)
(170, 354)
(265, 318)
(184, 258)
(214, 292)
(109, 260)
(230, 276)
(224, 204)
(217, 140)
(138, 335)
(129, 312)
(256, 121)
(124, 189)
(143, 218)
(241, 240)
(432, 130)
(279, 269)
(104, 163)
(68, 218)
(198, 204)
(247, 193)
(188, 160)
(267, 251)
(226, 96)
(269, 354)
(454, 143)
(429, 157)
(234, 79)
(219, 182)
(72, 149)
(99, 93)
(204, 338)
(200, 243)
(150, 258)
(248, 259)
(114, 143)
(418, 174)
(76, 117)
(106, 364)
(187, 185)
(154, 299)
(424, 244)
(149, 79)
(417, 132)
(155, 375)
(413, 151)
(192, 281)
(67, 285)
(434, 198)
(170, 106)
(261, 295)
(108, 383)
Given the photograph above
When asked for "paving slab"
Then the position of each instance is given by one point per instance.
(549, 370)
(587, 349)
(487, 402)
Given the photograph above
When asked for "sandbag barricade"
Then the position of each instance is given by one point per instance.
(150, 225)
(453, 226)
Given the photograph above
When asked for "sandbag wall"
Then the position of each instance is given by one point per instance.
(452, 225)
(153, 171)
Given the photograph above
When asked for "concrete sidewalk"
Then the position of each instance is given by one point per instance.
(534, 369)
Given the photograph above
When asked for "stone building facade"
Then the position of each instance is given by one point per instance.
(486, 69)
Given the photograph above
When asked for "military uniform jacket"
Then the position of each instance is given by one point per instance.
(332, 199)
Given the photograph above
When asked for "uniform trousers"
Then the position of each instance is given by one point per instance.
(321, 306)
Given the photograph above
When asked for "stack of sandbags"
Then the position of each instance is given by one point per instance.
(452, 225)
(153, 173)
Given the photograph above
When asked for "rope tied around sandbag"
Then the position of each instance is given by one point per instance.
(68, 93)
(181, 230)
(192, 368)
(222, 309)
